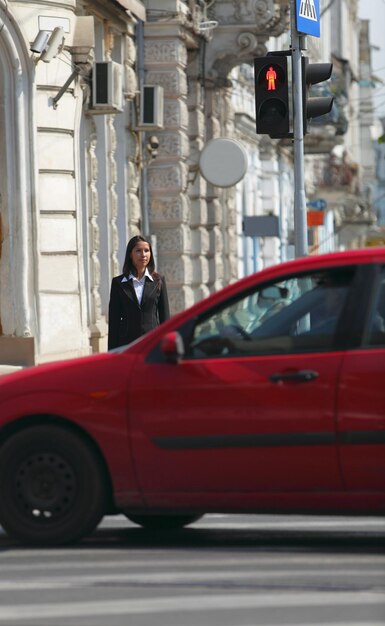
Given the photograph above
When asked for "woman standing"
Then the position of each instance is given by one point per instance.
(138, 298)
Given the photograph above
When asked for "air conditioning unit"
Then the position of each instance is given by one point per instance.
(107, 87)
(151, 107)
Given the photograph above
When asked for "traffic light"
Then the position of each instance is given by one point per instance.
(312, 74)
(272, 96)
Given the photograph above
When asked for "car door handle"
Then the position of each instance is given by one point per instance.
(303, 376)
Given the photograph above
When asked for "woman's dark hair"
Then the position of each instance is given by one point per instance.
(129, 267)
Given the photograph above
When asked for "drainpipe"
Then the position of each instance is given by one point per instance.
(143, 177)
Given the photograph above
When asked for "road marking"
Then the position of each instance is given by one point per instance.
(49, 556)
(267, 523)
(302, 525)
(186, 603)
(247, 562)
(182, 578)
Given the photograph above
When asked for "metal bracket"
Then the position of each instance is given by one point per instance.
(62, 91)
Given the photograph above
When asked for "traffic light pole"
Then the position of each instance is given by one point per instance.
(300, 221)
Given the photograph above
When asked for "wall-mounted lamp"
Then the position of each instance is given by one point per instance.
(47, 44)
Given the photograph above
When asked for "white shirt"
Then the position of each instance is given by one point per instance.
(138, 283)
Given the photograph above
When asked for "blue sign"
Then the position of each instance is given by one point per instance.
(308, 17)
(319, 204)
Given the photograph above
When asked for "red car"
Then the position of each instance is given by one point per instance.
(268, 396)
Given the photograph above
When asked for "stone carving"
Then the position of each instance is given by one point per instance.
(112, 195)
(249, 44)
(134, 208)
(246, 11)
(173, 241)
(132, 176)
(173, 82)
(176, 114)
(174, 145)
(130, 82)
(178, 270)
(167, 178)
(263, 13)
(165, 52)
(130, 49)
(232, 43)
(169, 210)
(93, 227)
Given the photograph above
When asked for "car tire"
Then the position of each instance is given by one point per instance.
(162, 522)
(53, 490)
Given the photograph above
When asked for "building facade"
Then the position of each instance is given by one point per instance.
(82, 173)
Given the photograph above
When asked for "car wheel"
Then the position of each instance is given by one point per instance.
(163, 522)
(53, 490)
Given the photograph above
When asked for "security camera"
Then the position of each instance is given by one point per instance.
(153, 142)
(40, 42)
(54, 45)
(152, 147)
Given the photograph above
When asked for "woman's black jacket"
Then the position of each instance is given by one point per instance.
(127, 319)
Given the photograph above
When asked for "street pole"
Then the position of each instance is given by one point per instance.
(300, 223)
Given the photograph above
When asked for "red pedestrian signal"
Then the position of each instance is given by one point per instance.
(271, 77)
(272, 96)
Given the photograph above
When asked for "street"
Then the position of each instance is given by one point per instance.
(222, 571)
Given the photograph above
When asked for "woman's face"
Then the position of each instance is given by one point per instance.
(140, 257)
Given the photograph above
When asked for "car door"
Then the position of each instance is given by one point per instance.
(250, 408)
(361, 399)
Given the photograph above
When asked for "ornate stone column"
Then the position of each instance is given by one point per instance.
(165, 63)
(195, 223)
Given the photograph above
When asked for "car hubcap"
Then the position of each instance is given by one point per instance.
(45, 487)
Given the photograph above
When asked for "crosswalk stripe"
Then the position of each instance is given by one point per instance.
(375, 562)
(100, 554)
(187, 603)
(203, 577)
(303, 525)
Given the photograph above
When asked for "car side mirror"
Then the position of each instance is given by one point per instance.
(172, 347)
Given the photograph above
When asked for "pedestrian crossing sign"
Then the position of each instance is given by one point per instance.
(308, 17)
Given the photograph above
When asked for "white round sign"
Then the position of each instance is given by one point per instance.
(223, 162)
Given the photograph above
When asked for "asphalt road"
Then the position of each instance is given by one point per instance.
(221, 571)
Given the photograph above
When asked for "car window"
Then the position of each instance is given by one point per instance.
(296, 314)
(374, 334)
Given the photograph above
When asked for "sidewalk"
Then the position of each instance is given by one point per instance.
(8, 369)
